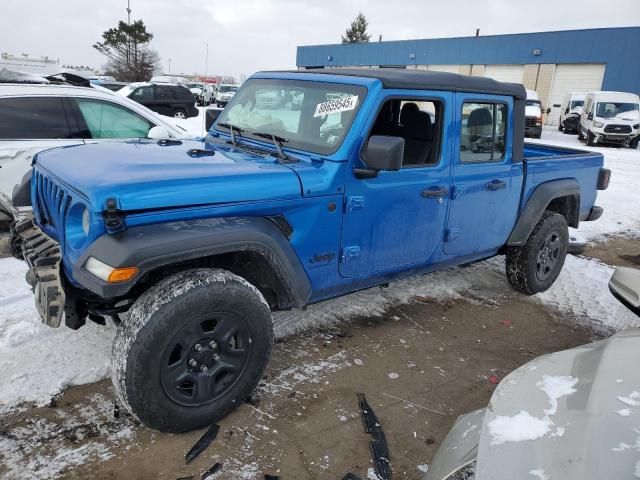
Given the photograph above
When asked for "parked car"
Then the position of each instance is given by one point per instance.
(610, 117)
(225, 93)
(201, 92)
(168, 79)
(570, 415)
(200, 241)
(533, 115)
(570, 111)
(113, 86)
(41, 115)
(164, 98)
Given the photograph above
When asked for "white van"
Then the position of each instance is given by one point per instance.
(533, 115)
(610, 117)
(571, 106)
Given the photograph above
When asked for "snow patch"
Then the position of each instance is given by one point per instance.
(540, 474)
(633, 400)
(556, 387)
(518, 428)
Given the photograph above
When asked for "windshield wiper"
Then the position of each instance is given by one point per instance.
(232, 129)
(277, 142)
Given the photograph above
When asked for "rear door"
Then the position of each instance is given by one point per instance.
(29, 125)
(486, 184)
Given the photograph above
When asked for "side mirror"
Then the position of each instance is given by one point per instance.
(382, 153)
(625, 286)
(590, 116)
(566, 111)
(548, 111)
(158, 133)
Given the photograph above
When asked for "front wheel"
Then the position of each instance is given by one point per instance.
(181, 114)
(580, 136)
(590, 138)
(192, 349)
(534, 266)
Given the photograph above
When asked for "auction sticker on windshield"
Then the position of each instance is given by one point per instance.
(343, 104)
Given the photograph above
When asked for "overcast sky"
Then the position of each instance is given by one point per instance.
(249, 35)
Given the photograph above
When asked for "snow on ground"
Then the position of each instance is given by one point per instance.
(193, 125)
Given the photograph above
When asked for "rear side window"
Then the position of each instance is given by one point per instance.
(182, 93)
(165, 93)
(33, 118)
(109, 120)
(483, 132)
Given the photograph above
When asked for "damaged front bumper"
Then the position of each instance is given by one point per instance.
(42, 255)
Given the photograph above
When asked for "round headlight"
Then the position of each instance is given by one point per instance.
(85, 221)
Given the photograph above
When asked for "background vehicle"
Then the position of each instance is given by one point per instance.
(570, 110)
(225, 93)
(610, 117)
(113, 86)
(168, 79)
(548, 418)
(163, 98)
(533, 115)
(364, 182)
(36, 117)
(201, 92)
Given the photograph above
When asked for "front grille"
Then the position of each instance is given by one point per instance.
(530, 121)
(617, 129)
(51, 205)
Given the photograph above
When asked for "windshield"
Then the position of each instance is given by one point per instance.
(228, 88)
(613, 109)
(577, 103)
(194, 85)
(312, 116)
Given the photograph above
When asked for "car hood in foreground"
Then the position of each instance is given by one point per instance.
(145, 175)
(569, 415)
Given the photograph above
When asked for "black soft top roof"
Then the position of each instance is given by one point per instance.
(428, 80)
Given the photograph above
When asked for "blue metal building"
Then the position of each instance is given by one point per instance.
(552, 63)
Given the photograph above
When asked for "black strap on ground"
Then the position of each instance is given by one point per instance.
(212, 471)
(203, 442)
(351, 476)
(379, 447)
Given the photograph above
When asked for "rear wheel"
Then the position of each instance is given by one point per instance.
(534, 266)
(192, 349)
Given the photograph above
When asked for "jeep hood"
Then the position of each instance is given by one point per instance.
(145, 175)
(570, 415)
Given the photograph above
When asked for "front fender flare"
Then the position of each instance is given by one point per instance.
(539, 200)
(149, 247)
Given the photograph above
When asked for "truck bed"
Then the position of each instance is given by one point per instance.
(534, 151)
(545, 163)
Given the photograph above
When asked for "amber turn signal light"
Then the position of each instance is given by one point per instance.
(122, 274)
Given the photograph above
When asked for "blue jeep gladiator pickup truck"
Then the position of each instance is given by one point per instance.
(310, 185)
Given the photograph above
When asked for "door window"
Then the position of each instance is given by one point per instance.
(143, 94)
(418, 122)
(483, 132)
(33, 118)
(109, 120)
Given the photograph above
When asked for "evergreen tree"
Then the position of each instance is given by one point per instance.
(127, 48)
(357, 32)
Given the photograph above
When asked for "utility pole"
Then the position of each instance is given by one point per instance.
(129, 35)
(128, 12)
(169, 66)
(206, 64)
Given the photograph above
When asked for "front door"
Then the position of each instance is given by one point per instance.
(486, 184)
(395, 221)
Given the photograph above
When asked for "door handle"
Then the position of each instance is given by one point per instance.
(494, 185)
(434, 192)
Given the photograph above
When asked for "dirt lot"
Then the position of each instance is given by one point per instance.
(420, 366)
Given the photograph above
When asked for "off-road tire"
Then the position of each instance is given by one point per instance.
(159, 317)
(522, 263)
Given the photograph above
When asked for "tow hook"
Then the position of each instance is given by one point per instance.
(113, 218)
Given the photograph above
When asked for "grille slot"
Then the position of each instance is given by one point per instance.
(51, 205)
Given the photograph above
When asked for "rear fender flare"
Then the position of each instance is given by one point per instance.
(540, 199)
